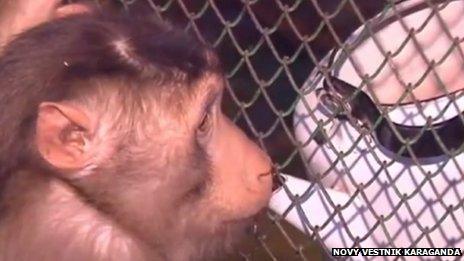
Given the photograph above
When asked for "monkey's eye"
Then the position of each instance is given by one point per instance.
(205, 124)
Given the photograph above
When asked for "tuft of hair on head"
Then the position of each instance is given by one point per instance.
(124, 49)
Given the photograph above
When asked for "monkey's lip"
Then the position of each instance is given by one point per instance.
(277, 181)
(239, 221)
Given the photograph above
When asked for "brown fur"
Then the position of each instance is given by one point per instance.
(147, 194)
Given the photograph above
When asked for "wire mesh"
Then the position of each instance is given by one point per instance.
(354, 96)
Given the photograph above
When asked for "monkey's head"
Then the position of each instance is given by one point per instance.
(127, 114)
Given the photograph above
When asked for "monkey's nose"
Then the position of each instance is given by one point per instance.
(260, 172)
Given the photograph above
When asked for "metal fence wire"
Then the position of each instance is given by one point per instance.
(362, 98)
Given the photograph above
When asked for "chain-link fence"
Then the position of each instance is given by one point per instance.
(361, 98)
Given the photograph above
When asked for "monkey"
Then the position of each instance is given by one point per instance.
(113, 145)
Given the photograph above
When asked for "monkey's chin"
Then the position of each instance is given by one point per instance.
(242, 227)
(246, 223)
(226, 237)
(237, 227)
(229, 234)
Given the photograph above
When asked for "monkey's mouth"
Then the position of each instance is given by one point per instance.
(277, 180)
(239, 222)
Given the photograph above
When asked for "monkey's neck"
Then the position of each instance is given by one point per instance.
(44, 219)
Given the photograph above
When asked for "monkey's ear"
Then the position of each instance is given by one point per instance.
(62, 133)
